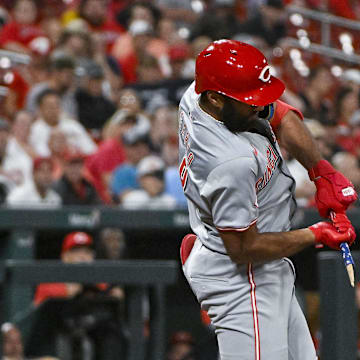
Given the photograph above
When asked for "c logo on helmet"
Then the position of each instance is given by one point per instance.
(265, 74)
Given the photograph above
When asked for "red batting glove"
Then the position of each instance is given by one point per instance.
(333, 190)
(326, 234)
(342, 224)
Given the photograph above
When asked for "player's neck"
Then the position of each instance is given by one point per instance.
(208, 108)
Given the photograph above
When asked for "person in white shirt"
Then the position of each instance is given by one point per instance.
(51, 117)
(150, 174)
(18, 158)
(37, 193)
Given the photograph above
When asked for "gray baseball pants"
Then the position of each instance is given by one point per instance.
(253, 308)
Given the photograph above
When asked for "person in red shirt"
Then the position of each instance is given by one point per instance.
(23, 34)
(95, 13)
(76, 248)
(110, 153)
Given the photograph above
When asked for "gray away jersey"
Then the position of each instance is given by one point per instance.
(230, 180)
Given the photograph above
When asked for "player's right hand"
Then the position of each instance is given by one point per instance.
(327, 234)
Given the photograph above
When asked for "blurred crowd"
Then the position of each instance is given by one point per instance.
(89, 92)
(88, 106)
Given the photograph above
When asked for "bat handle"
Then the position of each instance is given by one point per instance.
(347, 257)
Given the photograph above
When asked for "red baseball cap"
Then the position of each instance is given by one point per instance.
(75, 239)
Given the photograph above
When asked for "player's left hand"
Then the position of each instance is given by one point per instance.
(342, 224)
(333, 190)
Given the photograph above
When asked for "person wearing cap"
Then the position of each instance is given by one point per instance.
(76, 248)
(94, 109)
(151, 195)
(73, 187)
(241, 199)
(61, 79)
(36, 193)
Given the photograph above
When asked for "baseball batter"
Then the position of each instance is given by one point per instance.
(241, 200)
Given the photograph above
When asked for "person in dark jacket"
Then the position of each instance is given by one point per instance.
(73, 187)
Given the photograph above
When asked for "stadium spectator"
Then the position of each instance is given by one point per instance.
(172, 179)
(346, 117)
(268, 23)
(93, 107)
(75, 41)
(76, 248)
(348, 164)
(110, 153)
(163, 125)
(59, 148)
(181, 347)
(151, 195)
(123, 178)
(112, 244)
(314, 97)
(218, 21)
(73, 187)
(95, 13)
(23, 34)
(18, 159)
(51, 117)
(60, 79)
(140, 40)
(36, 193)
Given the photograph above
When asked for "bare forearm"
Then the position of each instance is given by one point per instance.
(260, 247)
(271, 246)
(297, 140)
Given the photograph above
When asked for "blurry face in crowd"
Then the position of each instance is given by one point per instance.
(95, 11)
(152, 185)
(170, 151)
(43, 175)
(136, 152)
(128, 99)
(167, 29)
(64, 79)
(57, 142)
(80, 254)
(180, 351)
(323, 81)
(142, 13)
(350, 103)
(25, 12)
(114, 245)
(73, 171)
(50, 109)
(94, 86)
(164, 124)
(21, 126)
(12, 344)
(53, 28)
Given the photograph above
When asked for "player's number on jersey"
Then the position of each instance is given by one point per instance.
(184, 172)
(184, 169)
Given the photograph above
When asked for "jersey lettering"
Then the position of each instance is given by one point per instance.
(184, 169)
(272, 161)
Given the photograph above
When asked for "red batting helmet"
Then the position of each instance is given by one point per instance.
(237, 70)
